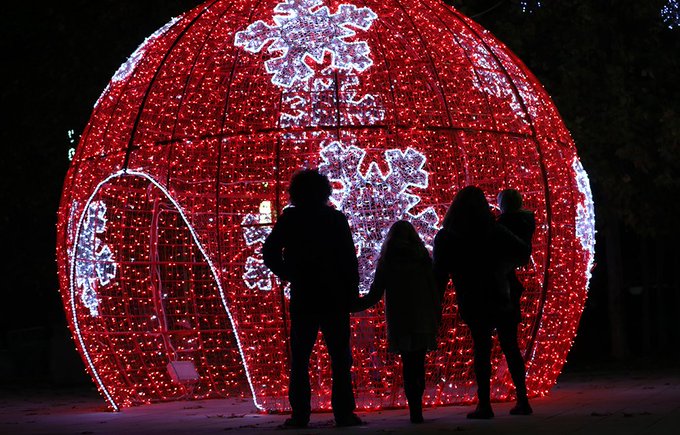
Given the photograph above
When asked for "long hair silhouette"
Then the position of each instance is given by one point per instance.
(469, 213)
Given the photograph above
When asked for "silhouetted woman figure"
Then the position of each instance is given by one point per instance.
(412, 306)
(477, 253)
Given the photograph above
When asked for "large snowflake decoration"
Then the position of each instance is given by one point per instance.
(95, 265)
(585, 214)
(373, 201)
(312, 102)
(305, 28)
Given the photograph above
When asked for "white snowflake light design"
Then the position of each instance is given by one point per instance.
(95, 265)
(585, 215)
(305, 28)
(372, 201)
(311, 102)
(256, 275)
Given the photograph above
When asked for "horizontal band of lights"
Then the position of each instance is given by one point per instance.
(184, 166)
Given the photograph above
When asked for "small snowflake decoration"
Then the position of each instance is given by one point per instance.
(256, 275)
(585, 214)
(95, 265)
(305, 28)
(373, 201)
(671, 14)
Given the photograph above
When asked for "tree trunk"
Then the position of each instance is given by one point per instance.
(617, 326)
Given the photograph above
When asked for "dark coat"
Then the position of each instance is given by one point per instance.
(478, 265)
(312, 248)
(412, 302)
(522, 224)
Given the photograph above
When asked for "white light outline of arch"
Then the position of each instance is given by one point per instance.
(123, 173)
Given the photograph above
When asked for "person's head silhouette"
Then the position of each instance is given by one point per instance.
(469, 212)
(309, 188)
(509, 200)
(402, 236)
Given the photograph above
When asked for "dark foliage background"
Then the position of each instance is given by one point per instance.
(612, 68)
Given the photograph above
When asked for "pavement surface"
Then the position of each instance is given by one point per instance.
(636, 402)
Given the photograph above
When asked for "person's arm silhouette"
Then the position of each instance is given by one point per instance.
(375, 293)
(441, 262)
(273, 249)
(348, 256)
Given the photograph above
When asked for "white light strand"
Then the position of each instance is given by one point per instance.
(123, 173)
(585, 216)
(128, 67)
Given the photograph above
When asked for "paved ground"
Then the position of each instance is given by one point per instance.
(618, 403)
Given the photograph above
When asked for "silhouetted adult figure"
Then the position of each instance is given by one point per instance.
(412, 306)
(477, 253)
(520, 222)
(311, 247)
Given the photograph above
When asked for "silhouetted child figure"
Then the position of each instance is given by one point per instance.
(311, 246)
(412, 306)
(520, 222)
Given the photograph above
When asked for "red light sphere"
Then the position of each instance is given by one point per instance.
(185, 162)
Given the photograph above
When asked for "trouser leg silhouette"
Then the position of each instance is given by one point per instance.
(336, 332)
(507, 335)
(303, 333)
(481, 341)
(413, 364)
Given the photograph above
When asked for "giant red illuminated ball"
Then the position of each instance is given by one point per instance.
(185, 164)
